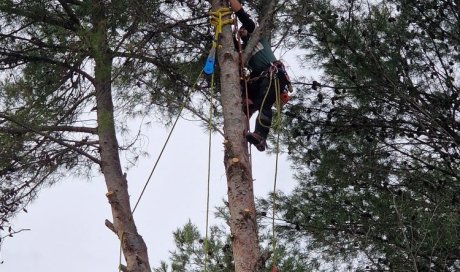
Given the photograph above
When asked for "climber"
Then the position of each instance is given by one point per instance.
(264, 68)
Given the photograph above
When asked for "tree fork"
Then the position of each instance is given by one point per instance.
(243, 224)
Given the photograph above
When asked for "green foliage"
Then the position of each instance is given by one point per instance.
(291, 253)
(375, 142)
(152, 53)
(191, 247)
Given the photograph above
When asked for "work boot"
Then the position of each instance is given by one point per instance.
(255, 139)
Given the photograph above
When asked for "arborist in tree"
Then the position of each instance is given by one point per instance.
(267, 80)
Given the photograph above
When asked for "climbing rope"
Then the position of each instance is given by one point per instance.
(206, 243)
(245, 86)
(278, 124)
(157, 161)
(277, 100)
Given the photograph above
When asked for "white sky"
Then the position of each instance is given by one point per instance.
(67, 220)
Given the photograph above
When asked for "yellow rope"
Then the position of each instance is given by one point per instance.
(218, 22)
(277, 93)
(209, 174)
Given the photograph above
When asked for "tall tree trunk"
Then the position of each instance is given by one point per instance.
(236, 159)
(133, 246)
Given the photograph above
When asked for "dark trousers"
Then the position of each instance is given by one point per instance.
(263, 95)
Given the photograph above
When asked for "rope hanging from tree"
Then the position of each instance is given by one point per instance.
(120, 266)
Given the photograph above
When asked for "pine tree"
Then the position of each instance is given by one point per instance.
(375, 140)
(189, 254)
(68, 69)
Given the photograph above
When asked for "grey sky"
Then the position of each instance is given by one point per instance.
(67, 220)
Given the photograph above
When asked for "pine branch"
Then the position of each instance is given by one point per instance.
(69, 12)
(36, 15)
(61, 142)
(49, 128)
(29, 58)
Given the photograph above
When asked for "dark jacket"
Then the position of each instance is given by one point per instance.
(262, 56)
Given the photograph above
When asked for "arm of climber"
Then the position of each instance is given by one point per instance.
(244, 18)
(235, 5)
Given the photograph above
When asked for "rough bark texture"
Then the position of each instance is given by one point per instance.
(236, 159)
(133, 246)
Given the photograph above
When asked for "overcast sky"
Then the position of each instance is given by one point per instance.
(66, 222)
(67, 231)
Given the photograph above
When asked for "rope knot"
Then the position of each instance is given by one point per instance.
(217, 19)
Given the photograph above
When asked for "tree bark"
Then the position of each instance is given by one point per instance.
(243, 224)
(133, 246)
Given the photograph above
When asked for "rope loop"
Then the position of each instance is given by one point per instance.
(218, 22)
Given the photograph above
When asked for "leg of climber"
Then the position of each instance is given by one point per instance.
(264, 102)
(259, 136)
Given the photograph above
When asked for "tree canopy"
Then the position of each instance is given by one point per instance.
(47, 101)
(72, 74)
(374, 143)
(373, 140)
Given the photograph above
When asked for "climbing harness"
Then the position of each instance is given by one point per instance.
(277, 75)
(218, 22)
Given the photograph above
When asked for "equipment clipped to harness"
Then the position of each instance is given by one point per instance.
(210, 62)
(218, 23)
(278, 70)
(283, 76)
(285, 97)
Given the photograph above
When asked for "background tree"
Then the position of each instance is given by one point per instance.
(72, 73)
(291, 254)
(375, 141)
(189, 254)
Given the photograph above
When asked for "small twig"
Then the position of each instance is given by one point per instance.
(110, 225)
(14, 232)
